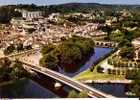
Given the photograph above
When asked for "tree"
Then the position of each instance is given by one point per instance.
(5, 62)
(127, 52)
(100, 69)
(108, 30)
(47, 49)
(117, 36)
(85, 45)
(76, 48)
(136, 89)
(5, 69)
(125, 42)
(83, 94)
(19, 47)
(17, 70)
(91, 69)
(7, 13)
(67, 54)
(109, 71)
(109, 61)
(49, 61)
(29, 47)
(133, 75)
(73, 94)
(135, 86)
(9, 49)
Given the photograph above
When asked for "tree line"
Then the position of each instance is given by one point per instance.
(8, 12)
(11, 70)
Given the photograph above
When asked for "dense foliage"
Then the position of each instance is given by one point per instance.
(135, 87)
(89, 7)
(127, 52)
(74, 94)
(68, 54)
(17, 47)
(11, 70)
(8, 12)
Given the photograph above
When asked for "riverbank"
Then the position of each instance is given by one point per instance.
(108, 81)
(88, 75)
(95, 75)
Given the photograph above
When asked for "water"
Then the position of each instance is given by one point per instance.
(99, 52)
(117, 90)
(25, 89)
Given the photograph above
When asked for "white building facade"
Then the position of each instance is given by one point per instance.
(32, 14)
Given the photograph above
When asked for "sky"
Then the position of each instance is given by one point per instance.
(49, 2)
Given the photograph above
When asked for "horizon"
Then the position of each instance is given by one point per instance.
(57, 2)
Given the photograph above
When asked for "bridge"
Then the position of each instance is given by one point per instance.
(22, 53)
(105, 44)
(94, 93)
(68, 81)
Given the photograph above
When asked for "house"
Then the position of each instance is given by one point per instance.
(30, 14)
(136, 44)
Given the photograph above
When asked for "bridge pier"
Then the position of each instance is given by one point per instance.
(57, 85)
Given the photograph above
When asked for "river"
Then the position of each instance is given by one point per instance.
(117, 90)
(24, 88)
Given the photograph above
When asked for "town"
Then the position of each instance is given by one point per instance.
(63, 47)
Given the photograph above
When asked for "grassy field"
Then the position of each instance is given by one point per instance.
(88, 75)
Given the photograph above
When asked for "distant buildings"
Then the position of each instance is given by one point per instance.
(30, 14)
(54, 16)
(111, 21)
(32, 29)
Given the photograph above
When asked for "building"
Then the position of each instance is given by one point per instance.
(136, 44)
(32, 14)
(137, 55)
(54, 15)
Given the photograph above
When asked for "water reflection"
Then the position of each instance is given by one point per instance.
(117, 90)
(25, 89)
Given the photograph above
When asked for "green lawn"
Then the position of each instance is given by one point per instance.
(88, 75)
